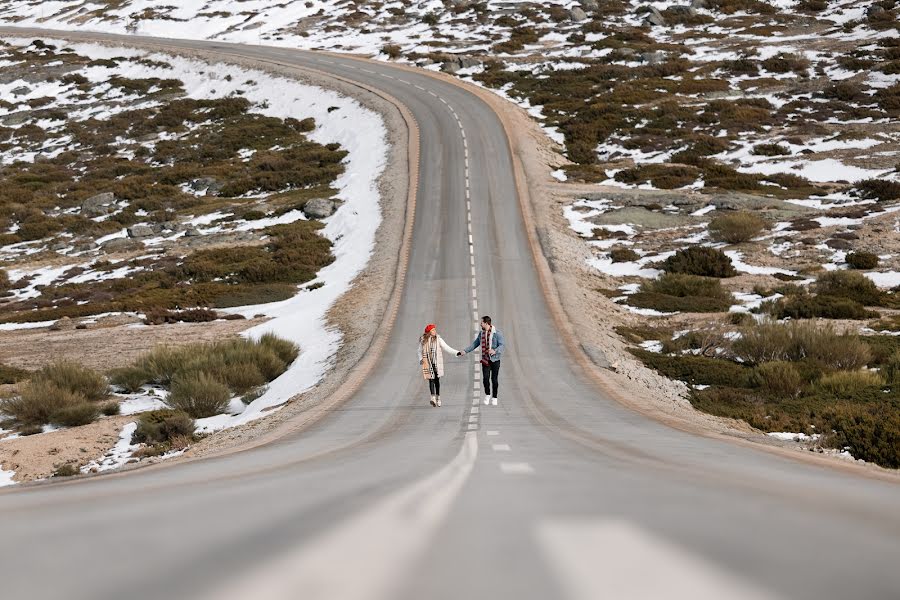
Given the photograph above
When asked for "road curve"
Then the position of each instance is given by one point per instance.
(559, 492)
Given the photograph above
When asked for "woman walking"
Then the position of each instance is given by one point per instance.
(432, 361)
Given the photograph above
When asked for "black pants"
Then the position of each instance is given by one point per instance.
(490, 374)
(435, 386)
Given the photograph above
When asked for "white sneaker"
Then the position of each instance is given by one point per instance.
(433, 401)
(439, 400)
(487, 399)
(494, 401)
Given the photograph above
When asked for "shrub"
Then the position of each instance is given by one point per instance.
(862, 260)
(805, 306)
(891, 369)
(700, 260)
(778, 378)
(666, 303)
(735, 228)
(199, 395)
(129, 379)
(848, 384)
(798, 341)
(881, 190)
(393, 51)
(160, 426)
(75, 415)
(66, 470)
(696, 370)
(620, 254)
(771, 150)
(286, 350)
(872, 432)
(38, 401)
(683, 286)
(73, 377)
(849, 284)
(110, 409)
(161, 364)
(9, 375)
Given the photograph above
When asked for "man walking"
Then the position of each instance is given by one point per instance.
(491, 342)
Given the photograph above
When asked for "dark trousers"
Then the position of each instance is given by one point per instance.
(435, 386)
(490, 374)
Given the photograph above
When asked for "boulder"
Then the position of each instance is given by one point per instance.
(193, 232)
(141, 231)
(577, 14)
(22, 90)
(699, 4)
(319, 208)
(838, 244)
(653, 58)
(589, 5)
(85, 246)
(99, 205)
(210, 184)
(450, 66)
(873, 12)
(652, 16)
(120, 245)
(683, 11)
(467, 62)
(16, 119)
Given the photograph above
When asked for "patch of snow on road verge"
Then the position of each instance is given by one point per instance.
(6, 478)
(118, 455)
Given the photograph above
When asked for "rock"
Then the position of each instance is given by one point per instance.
(838, 244)
(653, 16)
(99, 205)
(85, 246)
(467, 62)
(846, 235)
(63, 324)
(59, 246)
(577, 14)
(589, 5)
(16, 119)
(193, 232)
(699, 4)
(873, 12)
(450, 66)
(210, 184)
(653, 58)
(120, 245)
(22, 90)
(683, 11)
(140, 231)
(597, 356)
(319, 208)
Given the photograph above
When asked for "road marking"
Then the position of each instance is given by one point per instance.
(432, 93)
(500, 447)
(516, 468)
(474, 410)
(473, 426)
(493, 432)
(473, 418)
(317, 569)
(386, 76)
(368, 71)
(609, 559)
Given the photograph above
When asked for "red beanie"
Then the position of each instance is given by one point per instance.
(429, 327)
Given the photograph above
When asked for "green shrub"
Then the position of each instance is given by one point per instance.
(862, 260)
(848, 384)
(778, 378)
(74, 377)
(770, 150)
(824, 307)
(735, 228)
(161, 364)
(393, 51)
(129, 379)
(872, 432)
(696, 370)
(160, 426)
(683, 286)
(849, 284)
(666, 303)
(38, 400)
(620, 254)
(882, 190)
(75, 415)
(798, 341)
(199, 395)
(891, 369)
(700, 260)
(286, 350)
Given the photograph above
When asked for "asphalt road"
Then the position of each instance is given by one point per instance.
(558, 492)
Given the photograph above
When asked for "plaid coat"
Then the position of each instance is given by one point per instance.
(430, 357)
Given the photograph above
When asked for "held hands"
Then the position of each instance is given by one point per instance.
(492, 351)
(460, 353)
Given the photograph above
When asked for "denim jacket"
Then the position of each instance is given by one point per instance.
(497, 344)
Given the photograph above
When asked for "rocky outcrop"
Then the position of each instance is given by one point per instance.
(141, 231)
(319, 208)
(99, 205)
(453, 64)
(577, 14)
(212, 185)
(652, 16)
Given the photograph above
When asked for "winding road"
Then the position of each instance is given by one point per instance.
(558, 492)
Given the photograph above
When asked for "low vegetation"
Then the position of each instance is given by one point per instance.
(700, 260)
(735, 228)
(62, 393)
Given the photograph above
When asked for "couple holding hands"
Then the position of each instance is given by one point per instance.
(489, 339)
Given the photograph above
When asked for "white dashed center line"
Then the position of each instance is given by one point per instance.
(500, 447)
(516, 468)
